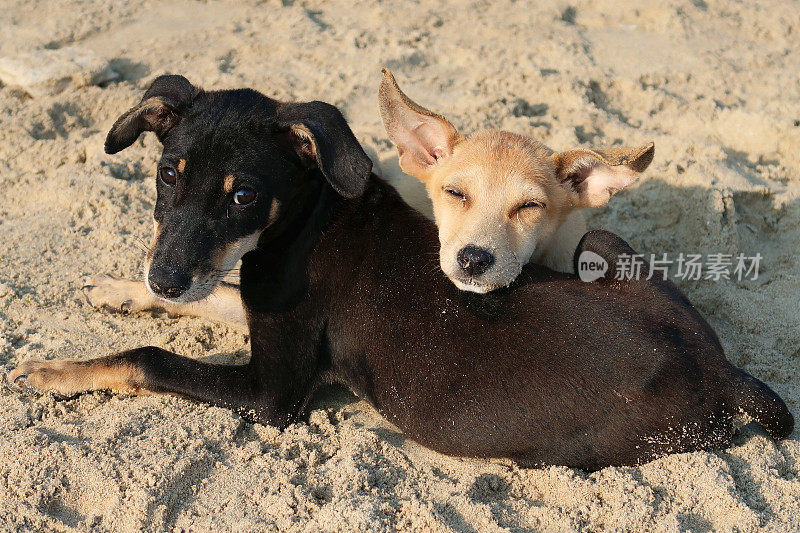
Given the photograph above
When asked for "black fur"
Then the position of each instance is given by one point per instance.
(160, 109)
(549, 371)
(344, 164)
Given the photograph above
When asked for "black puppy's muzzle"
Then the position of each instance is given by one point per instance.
(168, 282)
(181, 254)
(474, 261)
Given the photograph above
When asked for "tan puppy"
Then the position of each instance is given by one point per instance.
(500, 199)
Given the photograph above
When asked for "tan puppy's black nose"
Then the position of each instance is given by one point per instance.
(167, 282)
(474, 261)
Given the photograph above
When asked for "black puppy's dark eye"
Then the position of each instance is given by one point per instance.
(244, 195)
(168, 175)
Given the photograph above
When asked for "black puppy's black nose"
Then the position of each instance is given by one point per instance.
(473, 260)
(167, 282)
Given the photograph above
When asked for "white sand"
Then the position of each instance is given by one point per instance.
(714, 83)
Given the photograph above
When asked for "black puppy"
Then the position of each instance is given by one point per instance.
(339, 284)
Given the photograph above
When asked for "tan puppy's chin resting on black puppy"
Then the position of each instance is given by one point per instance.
(500, 199)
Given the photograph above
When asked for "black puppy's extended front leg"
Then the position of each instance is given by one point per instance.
(242, 388)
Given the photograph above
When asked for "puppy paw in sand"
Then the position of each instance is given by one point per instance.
(68, 378)
(125, 296)
(117, 295)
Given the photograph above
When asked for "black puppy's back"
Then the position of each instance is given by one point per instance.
(551, 371)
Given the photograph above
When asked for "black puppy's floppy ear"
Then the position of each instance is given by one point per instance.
(160, 109)
(320, 134)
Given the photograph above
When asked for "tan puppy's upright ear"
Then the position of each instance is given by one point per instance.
(593, 176)
(422, 137)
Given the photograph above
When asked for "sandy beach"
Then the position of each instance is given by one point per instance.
(714, 83)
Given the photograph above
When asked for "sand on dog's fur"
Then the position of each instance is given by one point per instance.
(714, 83)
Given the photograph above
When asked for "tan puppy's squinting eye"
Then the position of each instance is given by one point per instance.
(533, 204)
(529, 212)
(500, 199)
(456, 194)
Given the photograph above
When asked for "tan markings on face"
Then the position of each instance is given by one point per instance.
(72, 377)
(181, 165)
(156, 231)
(156, 234)
(230, 254)
(498, 173)
(148, 258)
(274, 210)
(227, 184)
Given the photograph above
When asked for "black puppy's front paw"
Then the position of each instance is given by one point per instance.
(117, 295)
